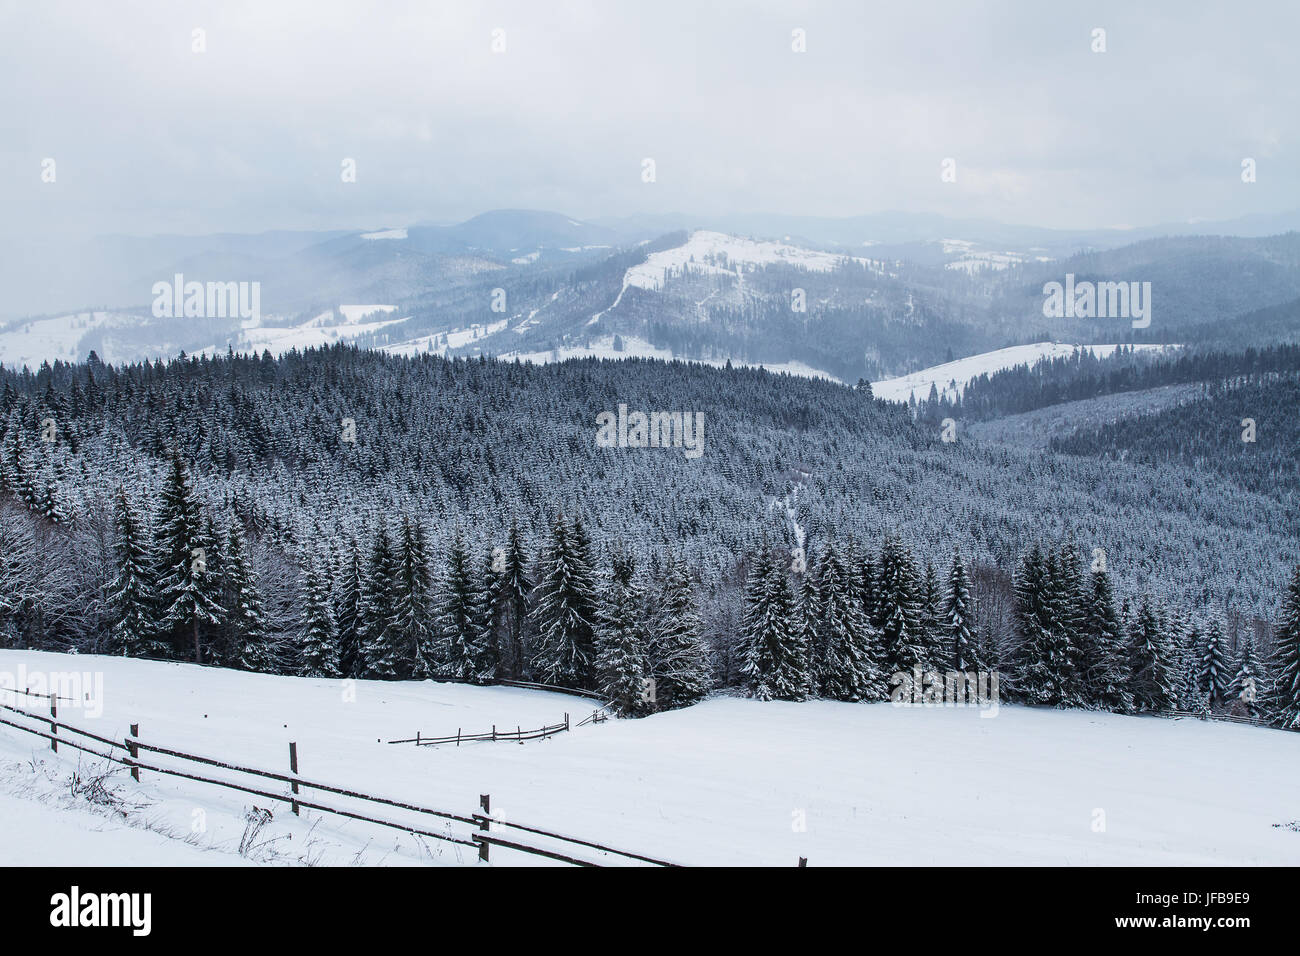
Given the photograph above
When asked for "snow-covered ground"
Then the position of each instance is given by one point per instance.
(702, 250)
(951, 377)
(729, 781)
(635, 347)
(33, 341)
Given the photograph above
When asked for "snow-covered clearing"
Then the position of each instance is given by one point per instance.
(635, 347)
(951, 378)
(719, 253)
(33, 341)
(729, 781)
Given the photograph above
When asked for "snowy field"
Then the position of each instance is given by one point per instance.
(730, 781)
(720, 254)
(634, 347)
(951, 377)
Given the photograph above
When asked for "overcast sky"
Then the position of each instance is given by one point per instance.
(149, 136)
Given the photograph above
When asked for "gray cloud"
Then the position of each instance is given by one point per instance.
(150, 137)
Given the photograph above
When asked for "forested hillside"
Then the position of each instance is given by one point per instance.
(304, 477)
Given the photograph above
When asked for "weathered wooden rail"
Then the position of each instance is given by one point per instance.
(126, 753)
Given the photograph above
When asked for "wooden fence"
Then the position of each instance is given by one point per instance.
(540, 733)
(127, 753)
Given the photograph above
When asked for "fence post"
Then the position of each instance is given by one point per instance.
(417, 738)
(133, 748)
(519, 734)
(566, 721)
(494, 733)
(54, 725)
(293, 768)
(484, 801)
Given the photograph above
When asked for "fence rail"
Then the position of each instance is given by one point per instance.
(461, 737)
(1234, 718)
(126, 753)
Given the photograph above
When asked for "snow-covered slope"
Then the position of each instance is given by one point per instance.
(951, 377)
(719, 253)
(729, 781)
(35, 341)
(634, 347)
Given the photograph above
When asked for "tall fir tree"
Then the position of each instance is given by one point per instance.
(245, 612)
(132, 600)
(621, 666)
(1045, 656)
(1152, 672)
(189, 595)
(411, 637)
(460, 618)
(1187, 657)
(936, 652)
(319, 650)
(681, 664)
(845, 664)
(512, 607)
(381, 656)
(807, 623)
(348, 614)
(564, 609)
(898, 611)
(774, 657)
(958, 620)
(1215, 672)
(1102, 660)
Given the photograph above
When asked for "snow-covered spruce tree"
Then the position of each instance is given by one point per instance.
(189, 596)
(621, 666)
(958, 620)
(808, 621)
(898, 610)
(494, 642)
(1248, 679)
(1029, 585)
(846, 666)
(1215, 671)
(1284, 664)
(132, 600)
(221, 648)
(1044, 659)
(867, 579)
(564, 609)
(510, 610)
(245, 614)
(1186, 647)
(681, 662)
(380, 654)
(348, 614)
(1101, 654)
(460, 618)
(1152, 675)
(411, 633)
(774, 657)
(319, 646)
(936, 651)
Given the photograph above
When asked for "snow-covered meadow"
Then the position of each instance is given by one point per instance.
(729, 781)
(951, 378)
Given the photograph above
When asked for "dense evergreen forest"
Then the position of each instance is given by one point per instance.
(343, 512)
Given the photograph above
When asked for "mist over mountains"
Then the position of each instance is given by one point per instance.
(860, 297)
